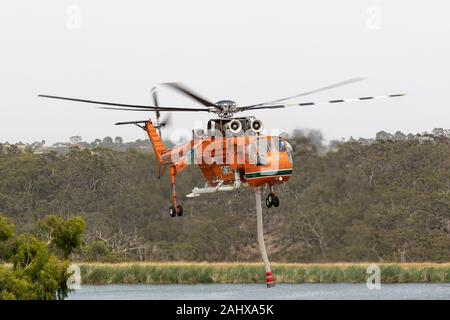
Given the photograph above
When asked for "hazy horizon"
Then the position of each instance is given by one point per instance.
(248, 51)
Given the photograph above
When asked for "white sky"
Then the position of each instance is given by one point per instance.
(247, 51)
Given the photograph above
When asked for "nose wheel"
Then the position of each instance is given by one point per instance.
(176, 212)
(272, 200)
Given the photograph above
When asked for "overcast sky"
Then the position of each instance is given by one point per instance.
(247, 51)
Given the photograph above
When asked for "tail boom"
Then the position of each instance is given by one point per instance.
(157, 144)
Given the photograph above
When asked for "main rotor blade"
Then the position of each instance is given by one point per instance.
(155, 97)
(159, 109)
(183, 89)
(155, 103)
(166, 121)
(306, 104)
(131, 122)
(332, 86)
(146, 108)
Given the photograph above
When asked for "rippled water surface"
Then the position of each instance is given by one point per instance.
(259, 291)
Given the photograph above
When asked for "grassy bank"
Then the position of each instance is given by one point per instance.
(194, 273)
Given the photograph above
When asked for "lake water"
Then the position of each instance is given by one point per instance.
(260, 292)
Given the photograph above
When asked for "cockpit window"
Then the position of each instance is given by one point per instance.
(282, 146)
(289, 150)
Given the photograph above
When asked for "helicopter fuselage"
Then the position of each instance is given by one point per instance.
(228, 157)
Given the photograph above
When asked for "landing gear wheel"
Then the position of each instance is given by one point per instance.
(179, 211)
(269, 200)
(172, 212)
(275, 201)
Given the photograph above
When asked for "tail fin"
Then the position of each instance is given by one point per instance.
(157, 144)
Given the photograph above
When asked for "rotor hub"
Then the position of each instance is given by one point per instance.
(227, 108)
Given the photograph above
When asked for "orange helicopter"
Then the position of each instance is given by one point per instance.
(232, 152)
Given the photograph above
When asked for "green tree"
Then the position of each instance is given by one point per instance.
(6, 228)
(36, 273)
(64, 234)
(34, 263)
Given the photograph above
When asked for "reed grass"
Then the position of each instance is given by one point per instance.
(198, 273)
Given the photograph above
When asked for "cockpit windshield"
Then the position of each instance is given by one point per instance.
(287, 148)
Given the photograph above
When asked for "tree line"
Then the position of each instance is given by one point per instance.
(388, 200)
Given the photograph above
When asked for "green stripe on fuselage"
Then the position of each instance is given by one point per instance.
(268, 174)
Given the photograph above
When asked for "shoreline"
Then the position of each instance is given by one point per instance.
(253, 272)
